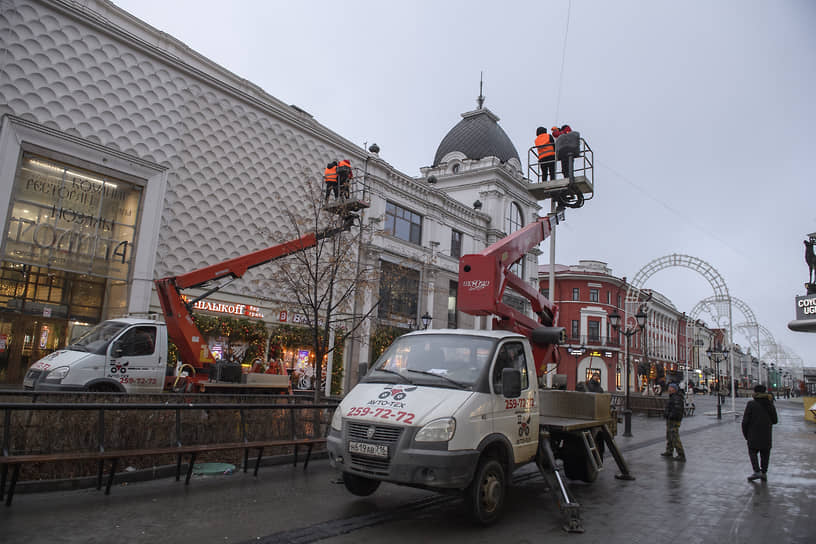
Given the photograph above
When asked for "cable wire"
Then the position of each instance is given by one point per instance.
(563, 58)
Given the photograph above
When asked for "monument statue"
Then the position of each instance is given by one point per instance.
(810, 259)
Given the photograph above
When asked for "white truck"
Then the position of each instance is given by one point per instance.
(129, 355)
(459, 410)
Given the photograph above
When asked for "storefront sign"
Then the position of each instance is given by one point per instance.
(806, 307)
(226, 308)
(71, 219)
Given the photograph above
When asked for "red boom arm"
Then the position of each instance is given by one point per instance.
(483, 278)
(180, 326)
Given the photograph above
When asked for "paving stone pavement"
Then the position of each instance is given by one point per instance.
(707, 499)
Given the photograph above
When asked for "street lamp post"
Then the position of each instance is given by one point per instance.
(614, 319)
(577, 352)
(718, 355)
(426, 320)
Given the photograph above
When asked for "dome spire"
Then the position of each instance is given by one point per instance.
(480, 100)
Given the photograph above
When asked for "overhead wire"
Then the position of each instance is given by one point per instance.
(563, 59)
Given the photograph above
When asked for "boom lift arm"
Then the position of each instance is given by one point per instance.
(180, 326)
(483, 278)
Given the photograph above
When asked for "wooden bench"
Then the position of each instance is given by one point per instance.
(641, 403)
(114, 455)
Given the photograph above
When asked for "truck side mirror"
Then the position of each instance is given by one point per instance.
(511, 383)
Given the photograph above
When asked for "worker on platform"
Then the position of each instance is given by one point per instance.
(344, 175)
(567, 147)
(330, 178)
(545, 147)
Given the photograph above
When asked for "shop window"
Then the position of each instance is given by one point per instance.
(403, 223)
(576, 331)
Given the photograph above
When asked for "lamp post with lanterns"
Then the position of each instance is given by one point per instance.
(426, 320)
(628, 332)
(717, 356)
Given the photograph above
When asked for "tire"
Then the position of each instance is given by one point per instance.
(486, 494)
(360, 486)
(103, 388)
(577, 465)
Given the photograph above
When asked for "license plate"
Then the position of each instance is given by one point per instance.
(373, 450)
(28, 382)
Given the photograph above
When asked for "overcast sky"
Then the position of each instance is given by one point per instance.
(699, 113)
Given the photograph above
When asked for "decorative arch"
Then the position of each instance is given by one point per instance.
(759, 338)
(717, 282)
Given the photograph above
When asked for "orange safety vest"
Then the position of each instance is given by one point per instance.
(546, 147)
(330, 175)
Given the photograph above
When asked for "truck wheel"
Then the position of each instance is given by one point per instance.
(486, 493)
(360, 486)
(577, 465)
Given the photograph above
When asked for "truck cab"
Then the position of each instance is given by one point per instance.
(118, 355)
(437, 409)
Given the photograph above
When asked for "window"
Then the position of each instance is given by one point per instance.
(576, 331)
(609, 297)
(512, 223)
(594, 295)
(576, 293)
(403, 223)
(137, 341)
(399, 292)
(456, 244)
(546, 293)
(511, 355)
(453, 322)
(594, 330)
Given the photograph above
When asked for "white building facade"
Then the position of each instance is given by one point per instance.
(126, 157)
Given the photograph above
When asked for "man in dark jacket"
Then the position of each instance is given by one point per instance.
(594, 383)
(757, 421)
(674, 415)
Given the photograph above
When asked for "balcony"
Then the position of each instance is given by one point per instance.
(593, 341)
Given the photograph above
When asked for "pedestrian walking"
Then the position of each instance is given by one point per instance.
(757, 428)
(674, 415)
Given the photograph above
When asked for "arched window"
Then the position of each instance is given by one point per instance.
(513, 221)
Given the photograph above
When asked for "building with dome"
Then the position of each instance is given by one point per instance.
(125, 157)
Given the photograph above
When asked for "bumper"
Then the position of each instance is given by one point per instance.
(43, 386)
(407, 464)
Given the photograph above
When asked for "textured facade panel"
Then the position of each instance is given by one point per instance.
(234, 169)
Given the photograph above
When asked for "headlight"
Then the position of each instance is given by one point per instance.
(337, 419)
(58, 373)
(440, 430)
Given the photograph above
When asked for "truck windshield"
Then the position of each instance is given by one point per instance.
(454, 359)
(97, 339)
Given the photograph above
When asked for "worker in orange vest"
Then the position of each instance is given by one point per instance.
(330, 177)
(545, 146)
(344, 175)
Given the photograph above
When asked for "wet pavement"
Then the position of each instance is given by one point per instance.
(706, 499)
